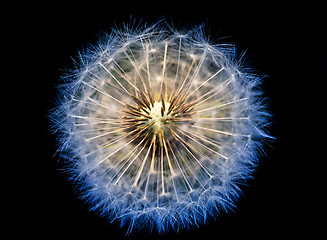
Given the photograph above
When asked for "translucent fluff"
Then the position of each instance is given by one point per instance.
(160, 128)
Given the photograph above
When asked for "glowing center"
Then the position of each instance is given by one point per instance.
(158, 113)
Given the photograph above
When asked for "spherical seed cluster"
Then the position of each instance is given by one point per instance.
(160, 128)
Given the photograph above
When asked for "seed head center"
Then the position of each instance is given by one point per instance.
(158, 113)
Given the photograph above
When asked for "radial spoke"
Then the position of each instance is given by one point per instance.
(163, 73)
(171, 169)
(196, 71)
(96, 129)
(144, 161)
(94, 102)
(126, 77)
(183, 142)
(136, 69)
(107, 70)
(206, 147)
(215, 91)
(178, 60)
(186, 77)
(221, 118)
(214, 75)
(179, 167)
(113, 141)
(223, 105)
(104, 134)
(189, 168)
(132, 161)
(148, 65)
(161, 160)
(115, 87)
(214, 130)
(104, 93)
(206, 139)
(94, 118)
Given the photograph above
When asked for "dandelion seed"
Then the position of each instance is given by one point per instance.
(160, 128)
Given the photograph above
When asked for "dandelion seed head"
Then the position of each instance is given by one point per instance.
(160, 129)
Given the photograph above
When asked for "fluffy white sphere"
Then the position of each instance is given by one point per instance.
(160, 128)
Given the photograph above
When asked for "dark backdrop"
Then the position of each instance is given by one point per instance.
(286, 43)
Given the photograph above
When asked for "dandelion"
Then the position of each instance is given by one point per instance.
(159, 128)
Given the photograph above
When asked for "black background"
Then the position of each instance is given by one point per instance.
(286, 43)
